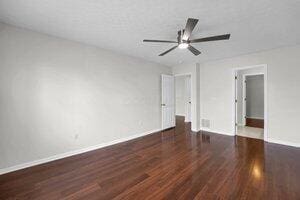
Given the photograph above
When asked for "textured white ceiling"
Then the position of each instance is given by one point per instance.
(121, 25)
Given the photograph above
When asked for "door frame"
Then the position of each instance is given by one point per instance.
(244, 94)
(188, 106)
(234, 97)
(191, 91)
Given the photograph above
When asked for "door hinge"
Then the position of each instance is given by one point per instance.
(236, 101)
(235, 77)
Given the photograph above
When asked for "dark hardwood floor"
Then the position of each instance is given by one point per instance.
(257, 123)
(175, 164)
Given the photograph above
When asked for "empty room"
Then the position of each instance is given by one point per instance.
(110, 99)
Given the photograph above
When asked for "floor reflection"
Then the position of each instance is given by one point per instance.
(205, 138)
(244, 153)
(257, 171)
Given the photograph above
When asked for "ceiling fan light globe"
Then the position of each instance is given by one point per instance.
(183, 45)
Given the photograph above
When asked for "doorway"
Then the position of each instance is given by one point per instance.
(183, 97)
(250, 100)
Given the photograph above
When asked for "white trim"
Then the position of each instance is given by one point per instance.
(235, 100)
(275, 141)
(266, 127)
(253, 74)
(196, 130)
(244, 103)
(249, 67)
(188, 97)
(215, 131)
(74, 152)
(265, 68)
(255, 117)
(184, 74)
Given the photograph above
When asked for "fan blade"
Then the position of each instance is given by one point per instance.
(194, 50)
(189, 27)
(162, 54)
(179, 36)
(164, 41)
(213, 38)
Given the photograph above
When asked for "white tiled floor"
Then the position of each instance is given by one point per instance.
(250, 132)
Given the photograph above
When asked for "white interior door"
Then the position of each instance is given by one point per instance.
(168, 101)
(188, 99)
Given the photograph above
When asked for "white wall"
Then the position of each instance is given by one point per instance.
(240, 73)
(283, 96)
(58, 96)
(180, 95)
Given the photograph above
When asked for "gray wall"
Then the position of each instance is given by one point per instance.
(255, 96)
(59, 96)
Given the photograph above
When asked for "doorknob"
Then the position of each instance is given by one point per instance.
(163, 104)
(190, 102)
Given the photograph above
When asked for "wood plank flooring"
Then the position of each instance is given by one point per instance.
(252, 122)
(174, 164)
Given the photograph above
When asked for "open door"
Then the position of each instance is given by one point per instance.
(168, 101)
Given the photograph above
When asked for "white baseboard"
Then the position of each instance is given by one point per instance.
(195, 130)
(269, 140)
(72, 153)
(255, 118)
(275, 141)
(214, 131)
